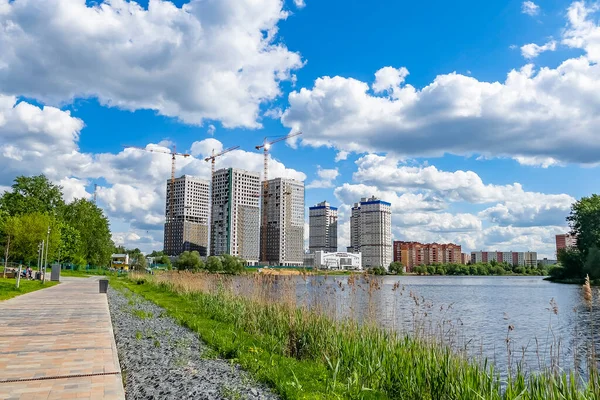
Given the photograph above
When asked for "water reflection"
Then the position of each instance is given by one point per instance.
(507, 320)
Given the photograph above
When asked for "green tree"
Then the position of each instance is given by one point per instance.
(377, 271)
(584, 220)
(70, 248)
(139, 263)
(156, 254)
(33, 194)
(94, 230)
(592, 263)
(396, 268)
(189, 260)
(27, 231)
(232, 265)
(164, 260)
(214, 264)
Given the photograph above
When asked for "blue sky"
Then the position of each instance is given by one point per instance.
(477, 120)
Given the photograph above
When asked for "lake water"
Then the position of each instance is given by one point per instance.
(549, 323)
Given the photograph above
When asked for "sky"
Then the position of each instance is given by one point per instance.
(478, 121)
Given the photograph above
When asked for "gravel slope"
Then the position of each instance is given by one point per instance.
(163, 360)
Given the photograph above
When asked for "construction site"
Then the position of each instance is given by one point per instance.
(236, 212)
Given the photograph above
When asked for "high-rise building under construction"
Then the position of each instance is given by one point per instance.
(285, 223)
(188, 229)
(235, 215)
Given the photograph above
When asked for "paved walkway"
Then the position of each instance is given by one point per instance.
(58, 343)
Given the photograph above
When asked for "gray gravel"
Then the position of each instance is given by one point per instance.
(163, 360)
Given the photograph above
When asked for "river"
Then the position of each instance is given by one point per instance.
(505, 320)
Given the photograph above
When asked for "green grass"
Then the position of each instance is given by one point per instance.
(82, 273)
(8, 289)
(306, 355)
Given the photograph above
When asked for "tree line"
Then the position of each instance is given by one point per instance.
(79, 232)
(482, 269)
(584, 259)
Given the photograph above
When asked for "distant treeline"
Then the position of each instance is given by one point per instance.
(491, 268)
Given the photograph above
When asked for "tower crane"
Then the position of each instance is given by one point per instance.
(214, 156)
(173, 154)
(266, 146)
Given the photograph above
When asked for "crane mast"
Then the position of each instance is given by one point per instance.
(173, 155)
(266, 146)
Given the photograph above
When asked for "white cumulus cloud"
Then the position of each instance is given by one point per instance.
(530, 8)
(544, 113)
(532, 50)
(216, 60)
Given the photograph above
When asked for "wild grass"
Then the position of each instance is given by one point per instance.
(304, 352)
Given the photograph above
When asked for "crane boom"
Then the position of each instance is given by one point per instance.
(266, 146)
(173, 155)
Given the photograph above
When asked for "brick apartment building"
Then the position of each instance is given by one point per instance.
(564, 241)
(412, 254)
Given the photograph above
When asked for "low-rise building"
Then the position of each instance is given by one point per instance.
(521, 258)
(413, 254)
(119, 261)
(337, 260)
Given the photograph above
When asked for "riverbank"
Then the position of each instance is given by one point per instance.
(304, 354)
(9, 290)
(161, 359)
(571, 281)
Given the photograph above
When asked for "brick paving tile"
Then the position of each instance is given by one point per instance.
(57, 332)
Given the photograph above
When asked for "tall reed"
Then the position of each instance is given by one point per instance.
(361, 356)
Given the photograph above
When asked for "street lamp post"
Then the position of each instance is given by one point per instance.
(41, 257)
(46, 261)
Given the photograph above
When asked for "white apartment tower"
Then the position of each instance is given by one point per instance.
(188, 231)
(322, 227)
(285, 223)
(371, 232)
(235, 223)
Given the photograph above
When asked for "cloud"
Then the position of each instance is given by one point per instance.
(514, 205)
(211, 130)
(534, 113)
(389, 79)
(341, 156)
(582, 32)
(327, 176)
(36, 140)
(532, 50)
(404, 203)
(543, 162)
(216, 60)
(300, 3)
(530, 8)
(74, 188)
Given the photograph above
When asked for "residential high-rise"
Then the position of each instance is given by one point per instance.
(371, 232)
(322, 227)
(188, 231)
(235, 222)
(285, 223)
(355, 229)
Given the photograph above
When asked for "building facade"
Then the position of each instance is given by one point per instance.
(337, 260)
(188, 230)
(371, 232)
(322, 228)
(235, 222)
(413, 254)
(521, 258)
(285, 223)
(565, 241)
